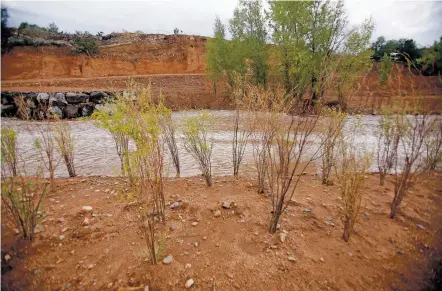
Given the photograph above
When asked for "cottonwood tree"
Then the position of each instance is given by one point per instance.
(352, 165)
(329, 135)
(289, 156)
(414, 132)
(198, 142)
(387, 144)
(9, 149)
(224, 58)
(249, 34)
(65, 145)
(309, 37)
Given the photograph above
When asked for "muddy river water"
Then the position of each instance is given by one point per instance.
(95, 153)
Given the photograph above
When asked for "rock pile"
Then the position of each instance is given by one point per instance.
(41, 105)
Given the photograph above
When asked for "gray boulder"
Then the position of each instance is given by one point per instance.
(43, 97)
(58, 100)
(8, 110)
(71, 111)
(56, 111)
(97, 96)
(75, 98)
(87, 110)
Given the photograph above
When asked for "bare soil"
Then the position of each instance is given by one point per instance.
(233, 251)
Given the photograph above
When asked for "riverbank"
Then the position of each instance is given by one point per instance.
(233, 251)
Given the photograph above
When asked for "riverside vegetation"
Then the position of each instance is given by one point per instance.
(286, 122)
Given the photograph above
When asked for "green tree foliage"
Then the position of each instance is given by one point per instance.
(308, 37)
(431, 60)
(353, 62)
(85, 43)
(289, 21)
(249, 35)
(407, 49)
(223, 57)
(6, 31)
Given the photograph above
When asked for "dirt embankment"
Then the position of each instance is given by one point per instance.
(160, 55)
(233, 251)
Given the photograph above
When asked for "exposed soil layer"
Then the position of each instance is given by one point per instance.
(233, 251)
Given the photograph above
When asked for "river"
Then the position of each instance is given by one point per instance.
(95, 154)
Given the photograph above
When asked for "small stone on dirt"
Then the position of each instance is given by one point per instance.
(90, 266)
(307, 210)
(230, 275)
(321, 259)
(188, 266)
(366, 213)
(282, 236)
(86, 208)
(7, 258)
(37, 272)
(217, 213)
(420, 226)
(175, 205)
(172, 227)
(291, 259)
(61, 237)
(189, 283)
(227, 204)
(167, 260)
(110, 285)
(194, 223)
(86, 222)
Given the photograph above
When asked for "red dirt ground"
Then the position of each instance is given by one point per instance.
(234, 251)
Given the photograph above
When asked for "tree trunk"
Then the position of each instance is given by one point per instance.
(347, 230)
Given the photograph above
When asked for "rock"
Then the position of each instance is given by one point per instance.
(110, 285)
(58, 100)
(68, 285)
(61, 237)
(365, 213)
(75, 98)
(97, 96)
(71, 111)
(175, 205)
(86, 222)
(282, 236)
(321, 259)
(146, 288)
(55, 111)
(8, 110)
(90, 266)
(86, 209)
(188, 266)
(37, 272)
(172, 227)
(291, 259)
(7, 258)
(87, 110)
(228, 204)
(167, 260)
(229, 275)
(420, 226)
(43, 97)
(189, 283)
(307, 210)
(217, 213)
(194, 223)
(294, 247)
